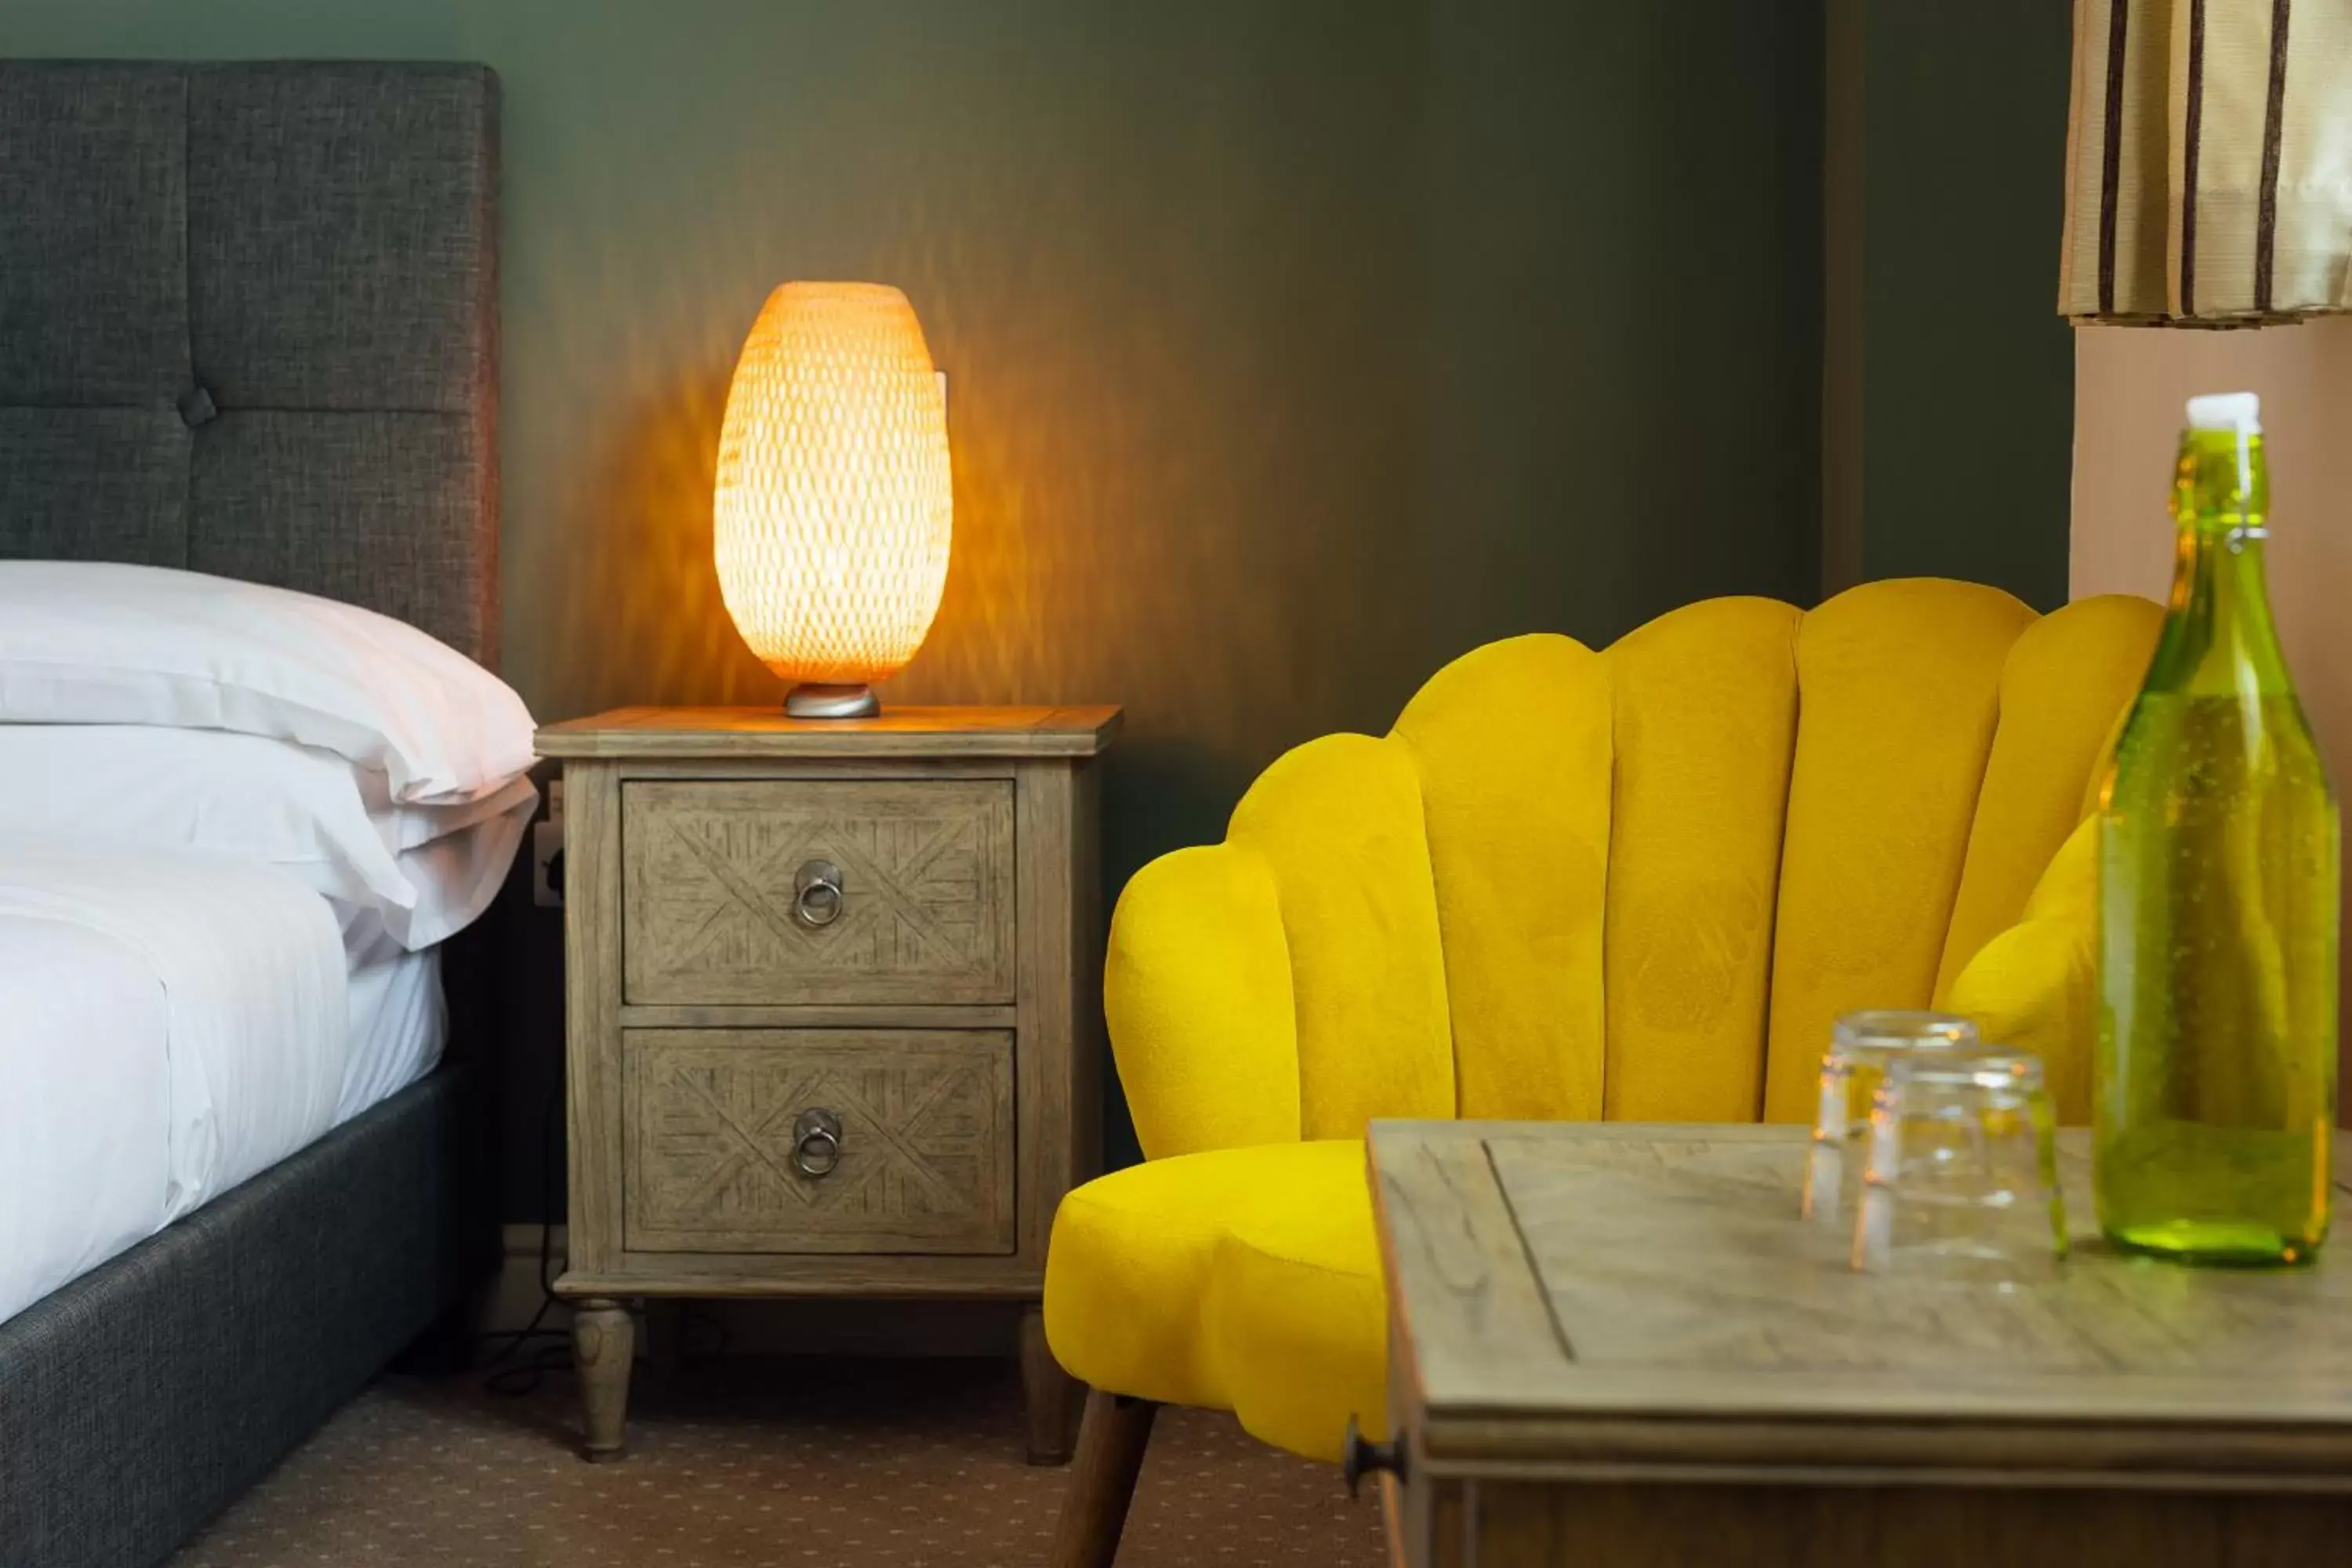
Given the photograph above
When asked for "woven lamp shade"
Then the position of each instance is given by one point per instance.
(834, 506)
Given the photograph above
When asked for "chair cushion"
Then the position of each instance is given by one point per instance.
(1244, 1279)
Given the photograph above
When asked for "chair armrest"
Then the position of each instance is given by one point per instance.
(2036, 985)
(1197, 992)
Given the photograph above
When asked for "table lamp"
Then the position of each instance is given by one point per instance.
(834, 505)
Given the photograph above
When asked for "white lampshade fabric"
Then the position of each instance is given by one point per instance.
(834, 502)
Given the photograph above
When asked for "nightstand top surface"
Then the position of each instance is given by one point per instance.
(694, 732)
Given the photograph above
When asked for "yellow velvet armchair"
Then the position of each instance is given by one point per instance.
(1636, 884)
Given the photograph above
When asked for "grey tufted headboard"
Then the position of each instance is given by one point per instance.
(249, 325)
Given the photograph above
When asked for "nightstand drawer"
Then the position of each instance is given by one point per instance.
(783, 891)
(749, 1140)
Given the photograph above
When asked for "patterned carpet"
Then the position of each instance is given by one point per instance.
(782, 1462)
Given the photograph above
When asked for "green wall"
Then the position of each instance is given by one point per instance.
(1950, 407)
(1294, 348)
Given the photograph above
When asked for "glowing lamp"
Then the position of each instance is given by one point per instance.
(834, 506)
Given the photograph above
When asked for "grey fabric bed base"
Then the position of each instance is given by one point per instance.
(139, 1399)
(248, 326)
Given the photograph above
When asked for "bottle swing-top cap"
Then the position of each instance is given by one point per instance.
(2236, 411)
(2201, 489)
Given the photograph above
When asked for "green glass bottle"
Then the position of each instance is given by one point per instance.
(2216, 1072)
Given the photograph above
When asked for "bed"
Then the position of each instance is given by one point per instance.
(247, 328)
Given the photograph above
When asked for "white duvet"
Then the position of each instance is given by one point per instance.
(170, 1024)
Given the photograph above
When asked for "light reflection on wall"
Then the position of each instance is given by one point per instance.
(1185, 371)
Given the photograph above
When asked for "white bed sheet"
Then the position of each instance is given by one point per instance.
(169, 1027)
(399, 1018)
(85, 1114)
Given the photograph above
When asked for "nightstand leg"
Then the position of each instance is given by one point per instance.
(603, 1344)
(1051, 1395)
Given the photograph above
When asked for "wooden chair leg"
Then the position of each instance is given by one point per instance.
(1111, 1439)
(1050, 1395)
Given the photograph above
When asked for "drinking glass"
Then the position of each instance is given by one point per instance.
(1860, 1046)
(1961, 1180)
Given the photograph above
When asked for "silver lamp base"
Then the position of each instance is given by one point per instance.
(827, 699)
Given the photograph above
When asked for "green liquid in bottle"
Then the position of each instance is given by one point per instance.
(2218, 872)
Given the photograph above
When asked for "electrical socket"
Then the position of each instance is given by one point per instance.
(546, 845)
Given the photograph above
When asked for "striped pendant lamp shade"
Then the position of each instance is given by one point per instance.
(2208, 162)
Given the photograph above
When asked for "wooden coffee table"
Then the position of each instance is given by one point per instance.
(1619, 1344)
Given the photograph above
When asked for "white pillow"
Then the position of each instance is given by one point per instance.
(101, 643)
(405, 827)
(426, 871)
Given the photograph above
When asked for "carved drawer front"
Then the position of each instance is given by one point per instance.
(781, 891)
(818, 1140)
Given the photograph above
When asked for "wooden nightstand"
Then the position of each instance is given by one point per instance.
(833, 1023)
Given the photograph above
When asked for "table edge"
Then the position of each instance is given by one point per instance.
(648, 733)
(1638, 1417)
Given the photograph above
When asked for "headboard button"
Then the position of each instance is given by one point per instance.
(196, 406)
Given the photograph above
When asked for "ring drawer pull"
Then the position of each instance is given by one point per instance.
(816, 1142)
(817, 897)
